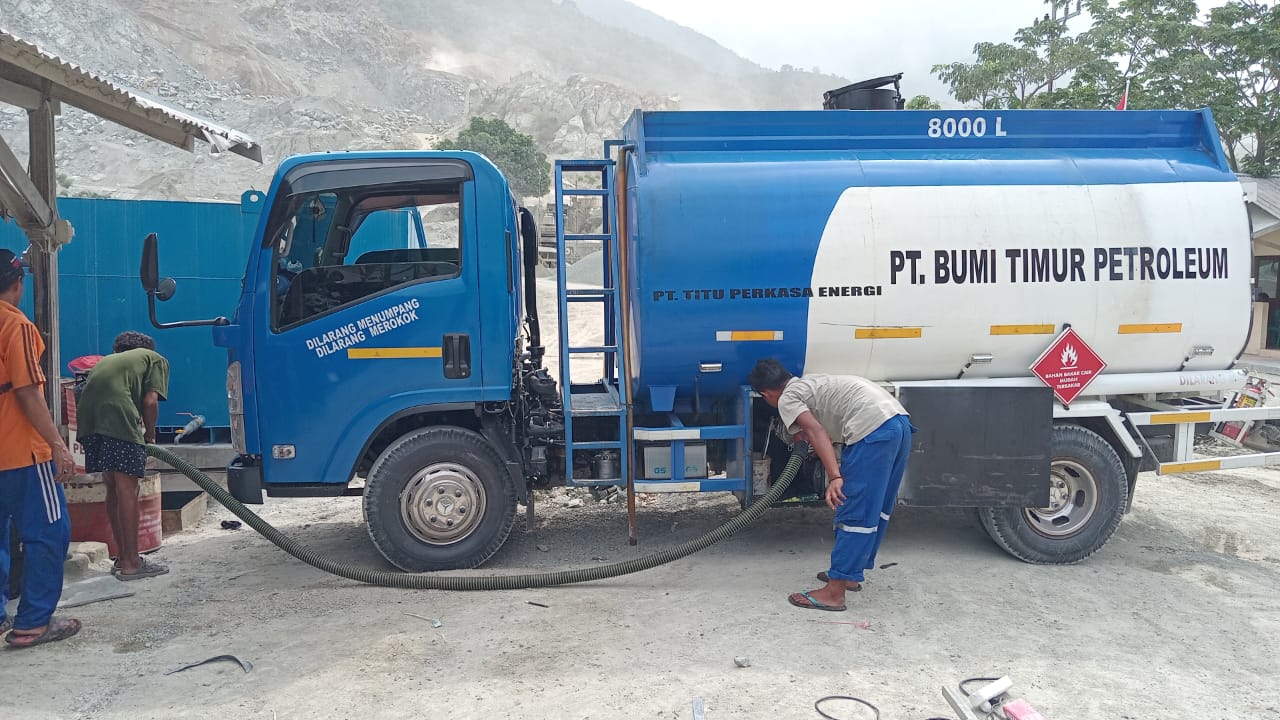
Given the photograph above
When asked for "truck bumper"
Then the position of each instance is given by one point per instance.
(244, 480)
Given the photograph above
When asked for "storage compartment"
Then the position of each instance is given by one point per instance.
(657, 461)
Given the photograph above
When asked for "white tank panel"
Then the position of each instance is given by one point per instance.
(1145, 273)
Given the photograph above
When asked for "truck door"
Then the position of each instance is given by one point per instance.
(369, 311)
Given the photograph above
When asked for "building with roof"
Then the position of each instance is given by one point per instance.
(40, 82)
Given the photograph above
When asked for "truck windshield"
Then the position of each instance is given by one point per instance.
(340, 248)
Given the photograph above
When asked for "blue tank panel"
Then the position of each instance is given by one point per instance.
(725, 210)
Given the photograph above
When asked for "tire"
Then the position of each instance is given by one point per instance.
(1090, 488)
(439, 499)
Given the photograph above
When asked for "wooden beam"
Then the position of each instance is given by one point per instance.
(12, 203)
(44, 256)
(28, 201)
(20, 95)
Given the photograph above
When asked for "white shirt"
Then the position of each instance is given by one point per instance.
(848, 407)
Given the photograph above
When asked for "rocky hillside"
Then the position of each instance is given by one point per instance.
(307, 75)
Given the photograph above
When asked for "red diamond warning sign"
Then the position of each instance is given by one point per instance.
(1068, 366)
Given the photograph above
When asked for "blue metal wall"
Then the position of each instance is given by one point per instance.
(203, 246)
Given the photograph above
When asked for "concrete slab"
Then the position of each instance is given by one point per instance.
(92, 590)
(177, 482)
(206, 457)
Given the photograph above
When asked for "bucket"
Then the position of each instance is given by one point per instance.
(760, 467)
(606, 465)
(87, 509)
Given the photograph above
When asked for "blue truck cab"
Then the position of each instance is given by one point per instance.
(354, 341)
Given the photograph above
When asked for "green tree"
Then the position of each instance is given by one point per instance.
(524, 165)
(1166, 51)
(1173, 57)
(1240, 45)
(1012, 75)
(923, 102)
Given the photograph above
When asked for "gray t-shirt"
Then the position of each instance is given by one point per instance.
(848, 407)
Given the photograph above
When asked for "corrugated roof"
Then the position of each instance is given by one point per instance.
(25, 65)
(1268, 193)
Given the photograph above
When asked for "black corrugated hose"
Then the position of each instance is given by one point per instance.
(432, 581)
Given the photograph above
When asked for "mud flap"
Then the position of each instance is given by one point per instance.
(978, 447)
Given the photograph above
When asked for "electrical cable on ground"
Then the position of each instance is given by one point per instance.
(818, 705)
(433, 581)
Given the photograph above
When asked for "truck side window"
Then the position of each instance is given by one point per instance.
(343, 248)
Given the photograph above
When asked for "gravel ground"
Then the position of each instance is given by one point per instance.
(1178, 617)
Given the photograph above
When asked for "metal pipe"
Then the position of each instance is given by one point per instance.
(623, 295)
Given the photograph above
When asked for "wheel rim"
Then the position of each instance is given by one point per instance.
(442, 503)
(1073, 500)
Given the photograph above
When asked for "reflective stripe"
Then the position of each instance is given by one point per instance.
(882, 333)
(1023, 329)
(659, 487)
(49, 488)
(1145, 328)
(53, 489)
(673, 434)
(393, 353)
(748, 335)
(1178, 418)
(884, 516)
(1192, 466)
(852, 529)
(44, 492)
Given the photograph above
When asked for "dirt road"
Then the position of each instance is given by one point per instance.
(1179, 617)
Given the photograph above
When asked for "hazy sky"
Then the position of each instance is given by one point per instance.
(859, 39)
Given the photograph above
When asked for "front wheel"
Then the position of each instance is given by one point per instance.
(439, 499)
(1088, 488)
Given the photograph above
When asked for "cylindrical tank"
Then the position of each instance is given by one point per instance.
(899, 246)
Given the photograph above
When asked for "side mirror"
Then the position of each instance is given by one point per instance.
(158, 289)
(149, 272)
(166, 289)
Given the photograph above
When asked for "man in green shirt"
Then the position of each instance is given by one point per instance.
(116, 415)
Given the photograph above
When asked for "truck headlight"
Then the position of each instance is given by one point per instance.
(235, 407)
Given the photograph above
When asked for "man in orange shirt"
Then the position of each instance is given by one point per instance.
(33, 460)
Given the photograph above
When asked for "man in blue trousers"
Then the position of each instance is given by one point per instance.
(33, 461)
(862, 486)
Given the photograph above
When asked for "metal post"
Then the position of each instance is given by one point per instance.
(43, 257)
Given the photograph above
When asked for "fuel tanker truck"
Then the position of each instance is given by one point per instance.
(1057, 297)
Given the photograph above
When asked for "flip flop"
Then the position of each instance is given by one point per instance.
(822, 575)
(146, 569)
(57, 630)
(6, 625)
(806, 601)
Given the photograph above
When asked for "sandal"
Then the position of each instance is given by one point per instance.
(806, 601)
(6, 625)
(146, 569)
(856, 587)
(56, 630)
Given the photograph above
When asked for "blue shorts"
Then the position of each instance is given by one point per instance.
(102, 453)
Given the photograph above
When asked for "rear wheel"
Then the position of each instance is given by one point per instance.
(439, 499)
(1088, 488)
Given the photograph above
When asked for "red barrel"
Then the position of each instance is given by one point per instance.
(87, 508)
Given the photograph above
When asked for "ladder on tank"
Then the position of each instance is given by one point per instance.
(597, 409)
(599, 406)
